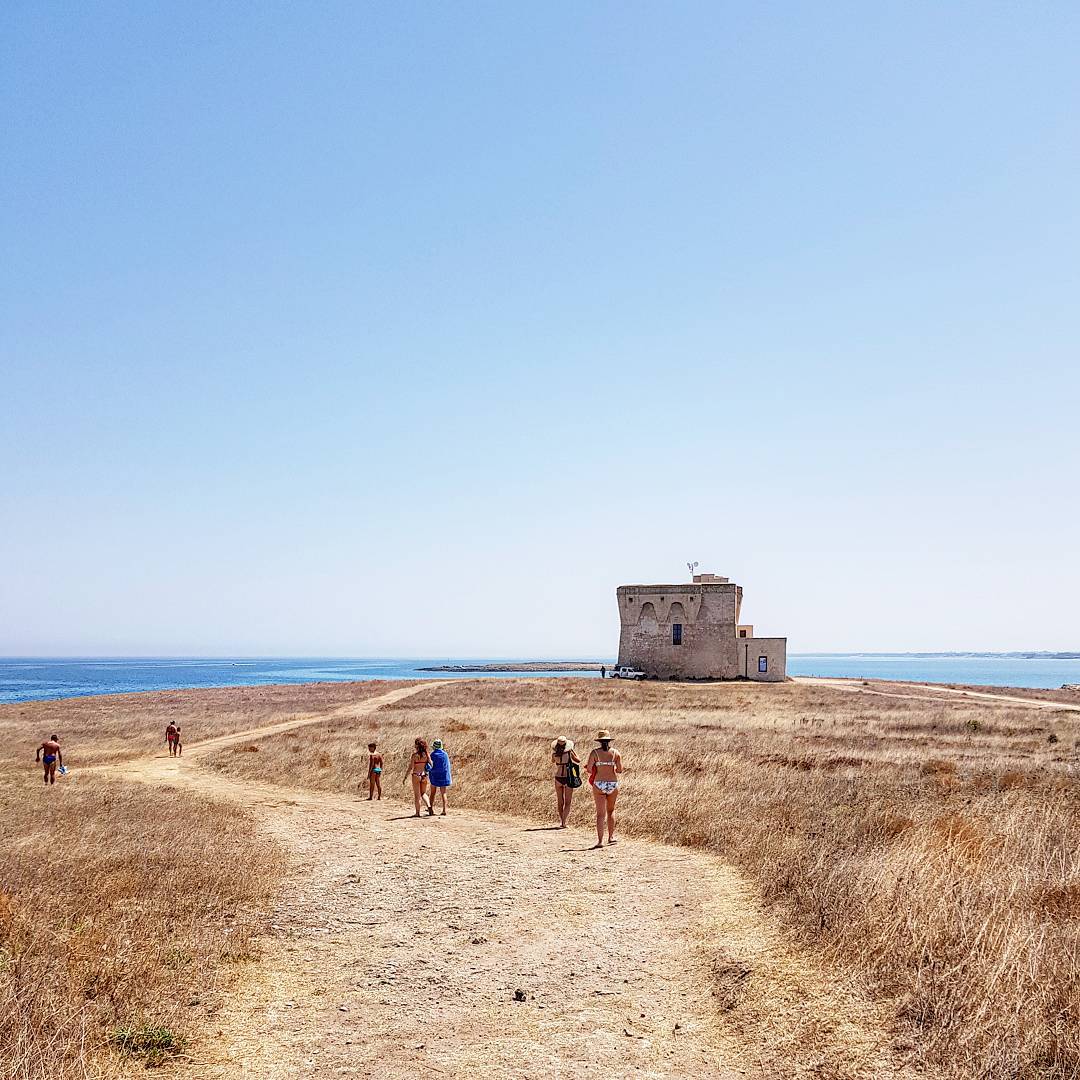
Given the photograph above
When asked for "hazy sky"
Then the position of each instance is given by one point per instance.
(406, 329)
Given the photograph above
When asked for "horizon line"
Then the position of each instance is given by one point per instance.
(257, 657)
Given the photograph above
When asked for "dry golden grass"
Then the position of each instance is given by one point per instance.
(930, 847)
(117, 910)
(117, 726)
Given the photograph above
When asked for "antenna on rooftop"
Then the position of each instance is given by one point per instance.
(692, 566)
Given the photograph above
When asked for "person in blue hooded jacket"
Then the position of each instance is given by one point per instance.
(438, 775)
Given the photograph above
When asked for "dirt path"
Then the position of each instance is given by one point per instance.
(403, 947)
(855, 686)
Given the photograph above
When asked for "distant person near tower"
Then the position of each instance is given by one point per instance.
(603, 672)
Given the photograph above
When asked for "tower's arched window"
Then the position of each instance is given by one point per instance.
(647, 618)
(677, 617)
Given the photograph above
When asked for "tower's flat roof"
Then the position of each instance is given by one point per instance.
(683, 586)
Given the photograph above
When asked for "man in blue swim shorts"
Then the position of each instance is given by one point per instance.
(48, 753)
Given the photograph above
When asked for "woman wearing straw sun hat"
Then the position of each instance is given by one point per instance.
(605, 767)
(438, 775)
(567, 776)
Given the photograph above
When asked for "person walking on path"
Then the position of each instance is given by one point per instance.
(48, 753)
(567, 776)
(374, 772)
(605, 767)
(417, 769)
(438, 776)
(172, 738)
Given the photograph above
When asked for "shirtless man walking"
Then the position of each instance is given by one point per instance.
(50, 748)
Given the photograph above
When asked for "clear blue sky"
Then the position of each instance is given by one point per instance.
(399, 329)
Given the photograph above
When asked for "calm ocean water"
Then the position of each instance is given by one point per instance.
(910, 667)
(40, 679)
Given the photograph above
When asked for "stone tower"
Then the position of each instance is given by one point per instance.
(692, 631)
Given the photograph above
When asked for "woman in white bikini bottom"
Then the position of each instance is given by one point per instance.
(605, 767)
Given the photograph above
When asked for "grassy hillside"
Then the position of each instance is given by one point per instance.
(928, 845)
(112, 727)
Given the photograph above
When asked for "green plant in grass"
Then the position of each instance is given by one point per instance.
(152, 1044)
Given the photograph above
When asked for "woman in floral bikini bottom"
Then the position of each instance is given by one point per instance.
(605, 767)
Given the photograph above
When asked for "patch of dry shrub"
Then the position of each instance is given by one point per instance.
(1058, 901)
(936, 767)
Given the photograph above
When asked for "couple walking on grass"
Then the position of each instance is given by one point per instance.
(174, 739)
(604, 766)
(428, 770)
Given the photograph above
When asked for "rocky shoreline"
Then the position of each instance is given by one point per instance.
(558, 665)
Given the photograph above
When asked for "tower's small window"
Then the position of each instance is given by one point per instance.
(676, 633)
(763, 664)
(742, 633)
(631, 600)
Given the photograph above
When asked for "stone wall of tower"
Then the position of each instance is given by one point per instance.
(708, 614)
(757, 653)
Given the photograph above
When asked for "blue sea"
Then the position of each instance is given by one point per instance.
(1046, 673)
(43, 679)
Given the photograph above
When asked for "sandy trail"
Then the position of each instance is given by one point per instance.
(933, 693)
(399, 947)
